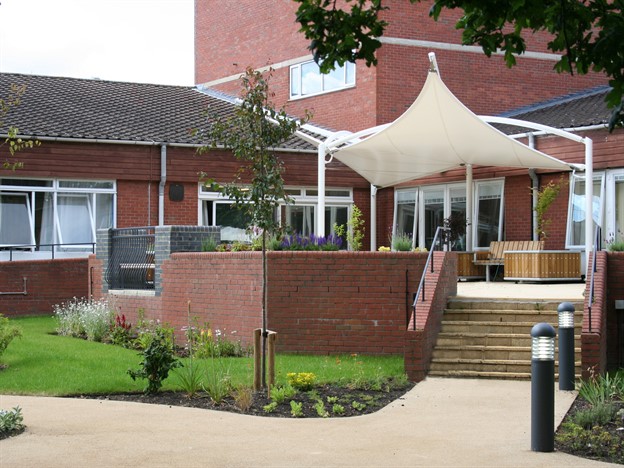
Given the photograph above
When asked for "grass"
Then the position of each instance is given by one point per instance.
(42, 363)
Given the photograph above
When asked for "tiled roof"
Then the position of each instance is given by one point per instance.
(580, 109)
(115, 111)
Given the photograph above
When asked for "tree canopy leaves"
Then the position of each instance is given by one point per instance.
(588, 34)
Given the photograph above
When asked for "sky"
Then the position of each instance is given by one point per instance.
(144, 41)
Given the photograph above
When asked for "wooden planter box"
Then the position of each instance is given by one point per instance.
(466, 269)
(544, 265)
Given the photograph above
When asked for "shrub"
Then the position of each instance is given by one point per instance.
(190, 378)
(243, 398)
(8, 332)
(296, 409)
(146, 330)
(602, 388)
(203, 343)
(312, 242)
(280, 394)
(402, 242)
(301, 380)
(598, 415)
(84, 319)
(120, 332)
(11, 422)
(209, 244)
(158, 360)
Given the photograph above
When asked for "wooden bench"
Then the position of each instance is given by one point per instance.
(545, 265)
(496, 254)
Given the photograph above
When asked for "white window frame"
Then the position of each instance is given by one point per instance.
(609, 231)
(598, 176)
(478, 186)
(56, 187)
(296, 79)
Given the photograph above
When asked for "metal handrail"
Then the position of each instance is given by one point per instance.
(597, 246)
(421, 285)
(37, 247)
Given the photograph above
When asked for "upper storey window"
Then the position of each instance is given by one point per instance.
(307, 80)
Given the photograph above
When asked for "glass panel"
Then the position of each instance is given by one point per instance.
(488, 214)
(334, 79)
(295, 89)
(74, 218)
(15, 223)
(406, 209)
(458, 216)
(329, 193)
(26, 183)
(336, 215)
(234, 223)
(300, 219)
(104, 211)
(619, 209)
(577, 211)
(434, 213)
(350, 73)
(86, 184)
(311, 81)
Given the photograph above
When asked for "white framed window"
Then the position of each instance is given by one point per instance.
(575, 236)
(488, 213)
(306, 79)
(299, 217)
(53, 213)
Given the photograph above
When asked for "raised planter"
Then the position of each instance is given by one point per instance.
(542, 265)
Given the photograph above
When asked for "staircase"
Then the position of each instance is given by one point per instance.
(487, 338)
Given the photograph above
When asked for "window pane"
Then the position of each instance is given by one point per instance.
(311, 81)
(15, 219)
(74, 218)
(234, 223)
(434, 214)
(294, 81)
(458, 216)
(300, 219)
(350, 73)
(577, 221)
(619, 210)
(334, 79)
(488, 214)
(26, 183)
(406, 208)
(336, 215)
(87, 184)
(104, 211)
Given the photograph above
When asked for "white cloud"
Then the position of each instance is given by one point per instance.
(127, 40)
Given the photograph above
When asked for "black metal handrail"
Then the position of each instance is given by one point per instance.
(421, 285)
(38, 248)
(597, 246)
(131, 262)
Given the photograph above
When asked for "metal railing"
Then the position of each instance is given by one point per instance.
(597, 246)
(421, 286)
(131, 261)
(52, 249)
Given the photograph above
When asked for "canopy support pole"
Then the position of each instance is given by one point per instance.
(589, 199)
(373, 218)
(469, 207)
(320, 212)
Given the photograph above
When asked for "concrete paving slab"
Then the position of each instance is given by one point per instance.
(440, 422)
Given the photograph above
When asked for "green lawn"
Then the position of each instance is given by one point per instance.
(42, 363)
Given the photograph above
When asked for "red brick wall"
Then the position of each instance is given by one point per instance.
(48, 282)
(615, 291)
(594, 334)
(318, 302)
(518, 209)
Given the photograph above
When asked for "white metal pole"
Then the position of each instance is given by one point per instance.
(469, 205)
(373, 218)
(589, 198)
(320, 212)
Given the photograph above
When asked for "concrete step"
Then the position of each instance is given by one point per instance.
(487, 315)
(495, 327)
(488, 375)
(511, 304)
(486, 339)
(487, 352)
(487, 365)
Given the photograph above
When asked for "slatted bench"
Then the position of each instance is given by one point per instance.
(496, 254)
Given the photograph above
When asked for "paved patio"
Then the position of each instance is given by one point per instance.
(511, 290)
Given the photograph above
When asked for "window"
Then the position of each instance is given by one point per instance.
(300, 217)
(405, 212)
(46, 212)
(306, 79)
(489, 213)
(576, 209)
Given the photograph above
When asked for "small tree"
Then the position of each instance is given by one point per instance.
(14, 142)
(545, 197)
(252, 133)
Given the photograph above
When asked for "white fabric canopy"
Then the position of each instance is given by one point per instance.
(437, 133)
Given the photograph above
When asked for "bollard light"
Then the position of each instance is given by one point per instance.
(566, 346)
(542, 388)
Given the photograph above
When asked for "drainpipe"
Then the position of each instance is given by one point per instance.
(161, 185)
